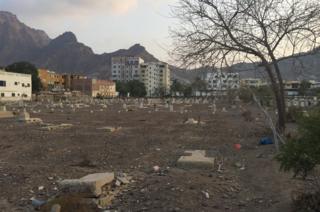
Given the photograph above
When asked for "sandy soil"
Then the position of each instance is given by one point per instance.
(31, 157)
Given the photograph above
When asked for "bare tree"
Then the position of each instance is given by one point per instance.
(212, 32)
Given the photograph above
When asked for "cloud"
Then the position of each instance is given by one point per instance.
(44, 8)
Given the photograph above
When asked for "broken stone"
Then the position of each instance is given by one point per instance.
(6, 114)
(89, 185)
(110, 129)
(25, 117)
(55, 208)
(57, 127)
(193, 121)
(196, 159)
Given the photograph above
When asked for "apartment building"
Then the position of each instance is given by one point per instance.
(15, 86)
(222, 81)
(126, 69)
(50, 80)
(156, 77)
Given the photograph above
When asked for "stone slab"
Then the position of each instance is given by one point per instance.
(6, 114)
(196, 159)
(90, 185)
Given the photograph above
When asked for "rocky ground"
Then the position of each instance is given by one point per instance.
(33, 159)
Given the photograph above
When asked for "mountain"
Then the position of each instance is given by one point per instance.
(297, 67)
(65, 54)
(18, 41)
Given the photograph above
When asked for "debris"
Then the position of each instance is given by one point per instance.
(37, 203)
(156, 168)
(266, 141)
(237, 146)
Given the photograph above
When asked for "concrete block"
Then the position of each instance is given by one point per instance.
(196, 159)
(90, 185)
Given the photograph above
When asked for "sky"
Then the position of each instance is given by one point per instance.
(103, 25)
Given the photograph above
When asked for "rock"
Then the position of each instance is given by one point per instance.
(124, 180)
(196, 159)
(89, 185)
(110, 129)
(206, 194)
(55, 208)
(57, 127)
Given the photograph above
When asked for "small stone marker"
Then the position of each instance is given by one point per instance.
(90, 185)
(171, 108)
(196, 159)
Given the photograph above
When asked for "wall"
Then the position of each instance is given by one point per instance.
(14, 86)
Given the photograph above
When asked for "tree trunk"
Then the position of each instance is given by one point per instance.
(278, 91)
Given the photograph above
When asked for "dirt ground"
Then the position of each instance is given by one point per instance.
(31, 158)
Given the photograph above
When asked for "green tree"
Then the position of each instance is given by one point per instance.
(121, 87)
(198, 84)
(187, 91)
(176, 87)
(301, 154)
(160, 92)
(304, 87)
(136, 88)
(27, 68)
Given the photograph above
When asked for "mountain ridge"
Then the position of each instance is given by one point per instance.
(65, 54)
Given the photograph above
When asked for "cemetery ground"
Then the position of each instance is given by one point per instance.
(34, 158)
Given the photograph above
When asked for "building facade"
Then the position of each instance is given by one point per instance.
(15, 86)
(126, 69)
(253, 82)
(156, 78)
(94, 87)
(50, 80)
(222, 81)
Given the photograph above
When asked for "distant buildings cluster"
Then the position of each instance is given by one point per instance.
(154, 75)
(52, 81)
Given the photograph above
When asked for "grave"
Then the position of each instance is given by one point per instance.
(196, 159)
(90, 185)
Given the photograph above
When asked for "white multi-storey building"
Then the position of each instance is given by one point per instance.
(125, 69)
(15, 86)
(222, 81)
(156, 78)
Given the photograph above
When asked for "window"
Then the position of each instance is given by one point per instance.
(3, 83)
(22, 84)
(2, 94)
(13, 94)
(15, 83)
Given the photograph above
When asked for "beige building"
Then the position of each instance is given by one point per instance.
(15, 86)
(156, 77)
(94, 87)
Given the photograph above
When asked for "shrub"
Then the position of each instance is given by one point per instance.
(302, 154)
